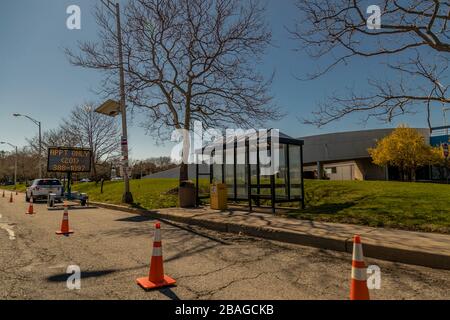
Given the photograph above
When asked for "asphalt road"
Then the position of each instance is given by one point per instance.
(113, 248)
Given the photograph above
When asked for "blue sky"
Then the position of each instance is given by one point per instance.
(36, 78)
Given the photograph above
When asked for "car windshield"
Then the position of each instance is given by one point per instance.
(50, 182)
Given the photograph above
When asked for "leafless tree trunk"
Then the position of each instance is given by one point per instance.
(188, 60)
(415, 32)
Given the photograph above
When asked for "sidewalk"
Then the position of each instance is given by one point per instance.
(417, 248)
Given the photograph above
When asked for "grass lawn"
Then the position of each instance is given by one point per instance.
(402, 205)
(20, 187)
(147, 193)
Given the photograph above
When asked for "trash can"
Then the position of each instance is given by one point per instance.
(84, 199)
(219, 196)
(186, 194)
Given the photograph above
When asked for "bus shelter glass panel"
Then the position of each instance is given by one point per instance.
(295, 170)
(264, 180)
(241, 181)
(229, 176)
(229, 179)
(281, 175)
(217, 173)
(253, 156)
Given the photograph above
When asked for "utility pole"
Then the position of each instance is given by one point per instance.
(40, 151)
(127, 196)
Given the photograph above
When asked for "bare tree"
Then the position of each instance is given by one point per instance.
(188, 60)
(6, 166)
(94, 131)
(24, 170)
(414, 31)
(151, 165)
(84, 128)
(58, 137)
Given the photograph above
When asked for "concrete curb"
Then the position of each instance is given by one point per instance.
(420, 258)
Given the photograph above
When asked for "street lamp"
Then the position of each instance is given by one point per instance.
(112, 108)
(38, 123)
(15, 162)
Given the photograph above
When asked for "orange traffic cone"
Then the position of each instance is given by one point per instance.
(358, 287)
(11, 198)
(3, 194)
(30, 207)
(156, 277)
(65, 223)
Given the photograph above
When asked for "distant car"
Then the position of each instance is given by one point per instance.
(85, 180)
(117, 179)
(40, 188)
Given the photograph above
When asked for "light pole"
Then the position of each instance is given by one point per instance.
(444, 111)
(15, 162)
(38, 123)
(115, 10)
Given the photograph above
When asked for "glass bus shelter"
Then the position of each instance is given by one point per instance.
(247, 174)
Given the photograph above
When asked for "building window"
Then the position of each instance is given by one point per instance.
(331, 170)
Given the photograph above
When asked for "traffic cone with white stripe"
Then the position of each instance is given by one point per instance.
(30, 207)
(65, 223)
(358, 286)
(156, 277)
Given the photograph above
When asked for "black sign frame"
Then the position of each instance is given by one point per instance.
(70, 149)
